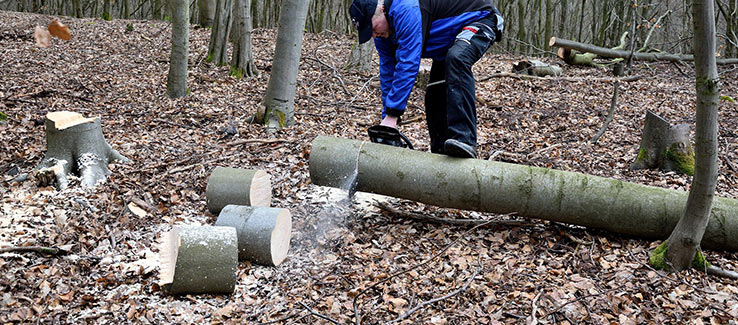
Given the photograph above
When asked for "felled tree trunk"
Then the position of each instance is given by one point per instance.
(536, 68)
(263, 232)
(616, 53)
(237, 186)
(497, 187)
(198, 259)
(665, 146)
(75, 145)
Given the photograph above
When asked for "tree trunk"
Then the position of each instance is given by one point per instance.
(237, 186)
(107, 10)
(75, 145)
(665, 146)
(198, 259)
(242, 63)
(611, 53)
(685, 240)
(177, 78)
(496, 187)
(361, 56)
(263, 232)
(217, 49)
(278, 107)
(207, 12)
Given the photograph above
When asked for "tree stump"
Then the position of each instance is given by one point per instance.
(75, 145)
(665, 146)
(263, 232)
(237, 186)
(198, 259)
(536, 68)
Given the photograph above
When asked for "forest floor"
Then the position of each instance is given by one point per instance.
(534, 271)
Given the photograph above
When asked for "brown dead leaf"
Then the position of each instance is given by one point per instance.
(42, 36)
(59, 30)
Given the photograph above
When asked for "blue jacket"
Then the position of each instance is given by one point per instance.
(421, 28)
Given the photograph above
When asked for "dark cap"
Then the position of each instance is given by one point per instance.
(361, 15)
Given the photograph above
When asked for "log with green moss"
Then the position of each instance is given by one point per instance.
(488, 186)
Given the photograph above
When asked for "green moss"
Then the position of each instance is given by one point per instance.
(210, 58)
(129, 27)
(658, 258)
(727, 99)
(3, 117)
(699, 262)
(683, 163)
(107, 16)
(642, 155)
(236, 72)
(272, 113)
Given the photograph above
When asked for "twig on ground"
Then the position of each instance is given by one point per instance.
(161, 120)
(555, 310)
(716, 271)
(610, 113)
(318, 314)
(335, 73)
(532, 319)
(256, 141)
(357, 315)
(434, 300)
(457, 222)
(54, 251)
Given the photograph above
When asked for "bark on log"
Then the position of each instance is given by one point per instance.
(198, 259)
(263, 232)
(237, 186)
(665, 146)
(612, 53)
(536, 68)
(497, 187)
(75, 145)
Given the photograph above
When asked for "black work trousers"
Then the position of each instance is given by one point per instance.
(450, 108)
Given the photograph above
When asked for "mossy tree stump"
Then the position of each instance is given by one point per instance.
(665, 146)
(75, 145)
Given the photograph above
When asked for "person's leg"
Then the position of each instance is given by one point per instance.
(469, 47)
(435, 106)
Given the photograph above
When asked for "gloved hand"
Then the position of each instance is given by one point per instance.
(388, 135)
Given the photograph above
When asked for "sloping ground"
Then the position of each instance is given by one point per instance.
(526, 271)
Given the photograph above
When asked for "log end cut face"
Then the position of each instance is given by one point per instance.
(67, 119)
(280, 239)
(261, 189)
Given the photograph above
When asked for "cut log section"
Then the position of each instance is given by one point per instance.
(263, 232)
(75, 145)
(488, 186)
(198, 259)
(237, 186)
(536, 68)
(665, 146)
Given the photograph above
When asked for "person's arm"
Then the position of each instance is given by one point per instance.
(408, 31)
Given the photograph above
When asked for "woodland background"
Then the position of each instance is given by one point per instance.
(513, 271)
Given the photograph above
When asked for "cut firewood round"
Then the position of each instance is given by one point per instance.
(237, 186)
(263, 232)
(75, 145)
(198, 259)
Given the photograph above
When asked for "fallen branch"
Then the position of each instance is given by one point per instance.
(54, 251)
(714, 270)
(456, 222)
(532, 319)
(610, 53)
(434, 300)
(259, 141)
(610, 113)
(572, 79)
(318, 314)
